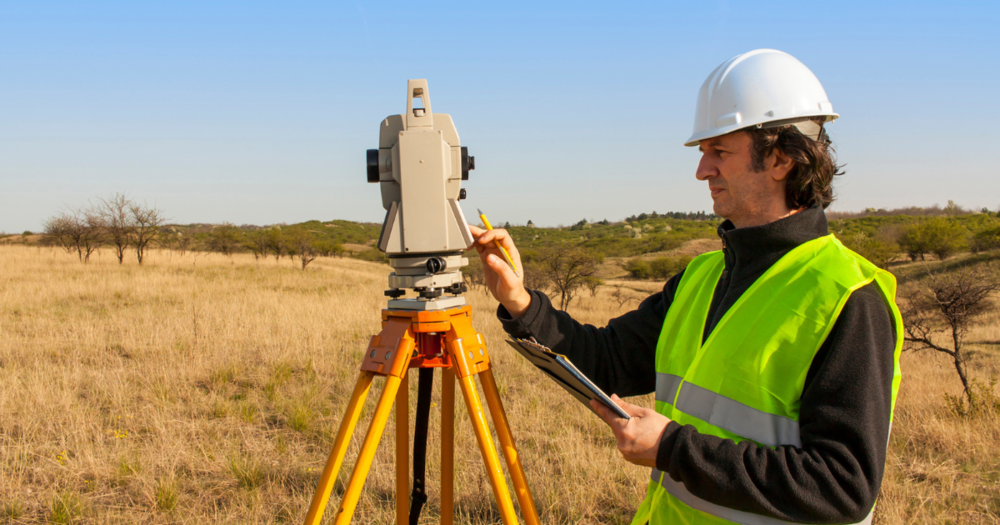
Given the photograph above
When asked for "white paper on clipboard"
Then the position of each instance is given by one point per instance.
(562, 371)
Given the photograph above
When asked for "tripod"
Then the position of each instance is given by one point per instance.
(425, 339)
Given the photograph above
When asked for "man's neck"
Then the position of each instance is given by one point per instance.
(763, 218)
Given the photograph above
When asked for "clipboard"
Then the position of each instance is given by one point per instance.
(562, 371)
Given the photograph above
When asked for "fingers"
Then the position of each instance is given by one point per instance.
(602, 411)
(609, 416)
(486, 238)
(476, 231)
(500, 266)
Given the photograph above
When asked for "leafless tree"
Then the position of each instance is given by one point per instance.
(147, 222)
(473, 273)
(621, 297)
(944, 307)
(119, 223)
(567, 269)
(535, 277)
(81, 230)
(58, 231)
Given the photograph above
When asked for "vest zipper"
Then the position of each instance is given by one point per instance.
(727, 264)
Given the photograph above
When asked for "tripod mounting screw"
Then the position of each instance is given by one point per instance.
(430, 294)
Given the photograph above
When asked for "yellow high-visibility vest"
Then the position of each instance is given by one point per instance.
(746, 380)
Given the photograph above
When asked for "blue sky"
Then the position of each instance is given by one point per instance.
(261, 112)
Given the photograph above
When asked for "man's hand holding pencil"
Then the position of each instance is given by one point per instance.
(506, 285)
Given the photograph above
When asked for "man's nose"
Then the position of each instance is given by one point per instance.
(706, 168)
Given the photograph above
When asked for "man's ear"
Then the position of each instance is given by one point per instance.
(781, 165)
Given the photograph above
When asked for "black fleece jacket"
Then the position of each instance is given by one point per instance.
(844, 418)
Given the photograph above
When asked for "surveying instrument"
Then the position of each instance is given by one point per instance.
(420, 166)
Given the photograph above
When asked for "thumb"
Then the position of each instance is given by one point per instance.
(500, 266)
(629, 408)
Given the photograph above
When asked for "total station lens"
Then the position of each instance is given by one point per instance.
(373, 174)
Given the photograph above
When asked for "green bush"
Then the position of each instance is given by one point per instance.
(937, 235)
(372, 255)
(985, 240)
(638, 269)
(660, 268)
(665, 267)
(878, 251)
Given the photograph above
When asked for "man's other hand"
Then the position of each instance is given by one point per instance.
(639, 437)
(507, 287)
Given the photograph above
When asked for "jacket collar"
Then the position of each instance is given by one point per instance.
(748, 248)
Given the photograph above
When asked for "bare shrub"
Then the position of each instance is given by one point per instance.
(944, 307)
(567, 268)
(621, 297)
(472, 273)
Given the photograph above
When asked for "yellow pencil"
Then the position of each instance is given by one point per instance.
(486, 222)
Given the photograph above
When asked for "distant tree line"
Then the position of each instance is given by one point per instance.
(294, 241)
(123, 224)
(682, 215)
(951, 210)
(937, 236)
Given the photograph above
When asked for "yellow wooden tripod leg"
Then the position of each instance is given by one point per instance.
(344, 433)
(447, 446)
(493, 469)
(517, 476)
(403, 453)
(357, 482)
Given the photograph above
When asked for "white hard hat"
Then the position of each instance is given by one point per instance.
(762, 88)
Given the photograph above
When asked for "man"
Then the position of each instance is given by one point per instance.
(775, 361)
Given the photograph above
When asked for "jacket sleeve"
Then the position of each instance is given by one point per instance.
(618, 358)
(844, 422)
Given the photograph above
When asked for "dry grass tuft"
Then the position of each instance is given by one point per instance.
(207, 390)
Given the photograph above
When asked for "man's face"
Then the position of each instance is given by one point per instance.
(740, 194)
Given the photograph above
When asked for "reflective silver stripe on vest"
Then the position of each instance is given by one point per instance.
(666, 387)
(679, 491)
(728, 414)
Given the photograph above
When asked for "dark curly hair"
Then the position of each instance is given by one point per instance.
(810, 183)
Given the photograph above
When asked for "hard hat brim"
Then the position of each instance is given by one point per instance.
(696, 139)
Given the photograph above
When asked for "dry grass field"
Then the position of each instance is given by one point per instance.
(207, 389)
